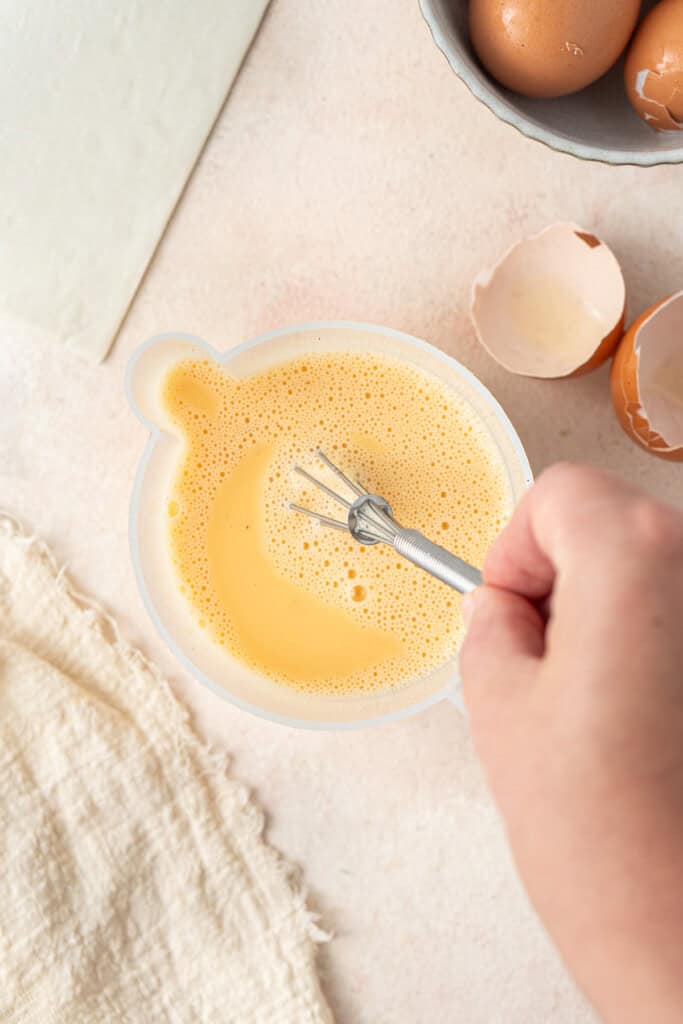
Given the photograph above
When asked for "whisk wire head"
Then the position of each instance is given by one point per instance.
(369, 519)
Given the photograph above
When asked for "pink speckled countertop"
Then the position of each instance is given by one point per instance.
(352, 176)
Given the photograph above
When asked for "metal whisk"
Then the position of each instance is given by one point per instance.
(370, 521)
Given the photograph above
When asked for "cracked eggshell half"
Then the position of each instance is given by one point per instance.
(553, 306)
(646, 381)
(653, 71)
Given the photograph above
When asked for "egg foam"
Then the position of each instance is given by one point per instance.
(304, 605)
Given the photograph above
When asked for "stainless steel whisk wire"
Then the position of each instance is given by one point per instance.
(369, 520)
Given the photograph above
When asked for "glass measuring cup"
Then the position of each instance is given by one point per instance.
(155, 575)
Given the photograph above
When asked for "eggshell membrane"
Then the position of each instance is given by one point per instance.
(646, 381)
(653, 70)
(579, 266)
(548, 48)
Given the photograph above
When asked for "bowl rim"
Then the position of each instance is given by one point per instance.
(546, 136)
(452, 689)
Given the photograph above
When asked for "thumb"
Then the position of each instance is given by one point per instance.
(504, 641)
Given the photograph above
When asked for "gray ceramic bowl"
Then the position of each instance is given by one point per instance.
(595, 124)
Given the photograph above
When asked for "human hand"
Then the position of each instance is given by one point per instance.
(578, 719)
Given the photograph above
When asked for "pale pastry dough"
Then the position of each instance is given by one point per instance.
(104, 108)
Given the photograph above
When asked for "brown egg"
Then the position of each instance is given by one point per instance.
(550, 47)
(654, 67)
(646, 381)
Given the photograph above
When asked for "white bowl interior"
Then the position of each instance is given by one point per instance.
(155, 573)
(597, 123)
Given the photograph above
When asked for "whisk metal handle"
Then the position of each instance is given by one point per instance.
(434, 559)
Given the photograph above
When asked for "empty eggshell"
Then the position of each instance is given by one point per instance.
(647, 379)
(653, 71)
(553, 306)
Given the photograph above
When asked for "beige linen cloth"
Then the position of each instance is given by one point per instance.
(135, 883)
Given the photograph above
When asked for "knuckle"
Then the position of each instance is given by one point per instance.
(567, 493)
(656, 528)
(566, 479)
(559, 472)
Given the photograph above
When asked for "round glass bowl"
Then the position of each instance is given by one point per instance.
(155, 574)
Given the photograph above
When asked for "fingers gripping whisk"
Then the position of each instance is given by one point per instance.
(369, 520)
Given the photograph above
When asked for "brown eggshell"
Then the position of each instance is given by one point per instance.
(644, 407)
(604, 351)
(653, 71)
(550, 47)
(553, 306)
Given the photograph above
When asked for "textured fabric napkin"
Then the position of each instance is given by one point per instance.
(135, 883)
